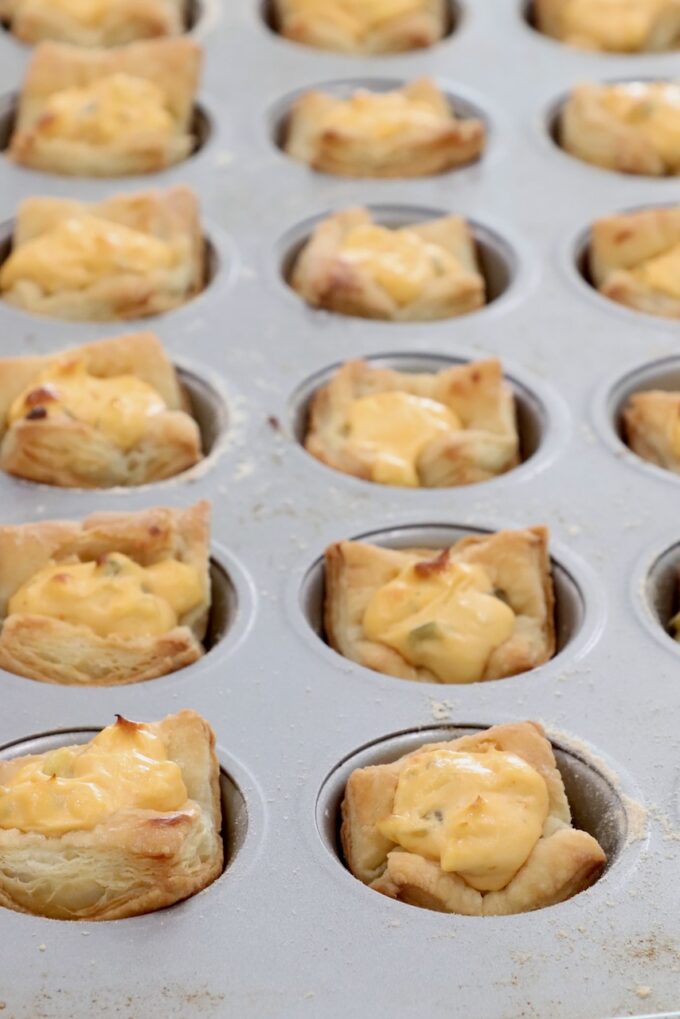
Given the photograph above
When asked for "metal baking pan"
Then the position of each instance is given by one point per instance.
(287, 932)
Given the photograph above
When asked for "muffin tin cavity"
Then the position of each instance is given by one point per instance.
(498, 261)
(532, 413)
(234, 807)
(223, 606)
(201, 128)
(570, 606)
(278, 119)
(596, 806)
(661, 375)
(269, 16)
(661, 591)
(207, 408)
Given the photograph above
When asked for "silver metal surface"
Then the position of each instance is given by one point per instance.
(286, 932)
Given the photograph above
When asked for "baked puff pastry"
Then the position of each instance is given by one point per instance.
(354, 266)
(481, 609)
(107, 413)
(451, 427)
(118, 598)
(635, 260)
(408, 132)
(632, 127)
(362, 27)
(130, 256)
(107, 113)
(125, 824)
(616, 26)
(93, 22)
(651, 423)
(479, 826)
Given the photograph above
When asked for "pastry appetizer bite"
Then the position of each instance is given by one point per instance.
(118, 598)
(124, 824)
(93, 22)
(616, 26)
(129, 256)
(451, 427)
(363, 27)
(635, 260)
(408, 132)
(354, 266)
(479, 826)
(632, 127)
(107, 413)
(651, 424)
(107, 113)
(481, 609)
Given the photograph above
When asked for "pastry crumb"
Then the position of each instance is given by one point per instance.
(440, 710)
(643, 990)
(42, 948)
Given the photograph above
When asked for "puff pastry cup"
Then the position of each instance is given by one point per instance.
(129, 256)
(108, 413)
(651, 424)
(407, 132)
(452, 427)
(635, 260)
(422, 272)
(481, 609)
(93, 22)
(616, 26)
(513, 840)
(118, 598)
(362, 27)
(107, 113)
(632, 127)
(153, 840)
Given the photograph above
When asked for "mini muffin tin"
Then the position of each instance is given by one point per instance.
(286, 931)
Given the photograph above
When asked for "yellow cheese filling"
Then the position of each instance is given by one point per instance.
(393, 428)
(357, 17)
(75, 788)
(89, 13)
(653, 109)
(82, 250)
(619, 25)
(119, 406)
(478, 815)
(112, 596)
(381, 116)
(399, 261)
(106, 111)
(442, 616)
(661, 273)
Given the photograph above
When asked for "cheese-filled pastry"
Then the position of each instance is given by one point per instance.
(93, 22)
(651, 422)
(362, 27)
(616, 26)
(481, 609)
(632, 127)
(478, 825)
(635, 260)
(129, 256)
(118, 598)
(428, 430)
(408, 132)
(107, 113)
(124, 824)
(108, 413)
(354, 266)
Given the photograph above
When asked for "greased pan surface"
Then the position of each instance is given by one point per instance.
(286, 932)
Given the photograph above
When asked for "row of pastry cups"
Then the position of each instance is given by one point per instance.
(395, 263)
(128, 597)
(370, 128)
(440, 420)
(576, 820)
